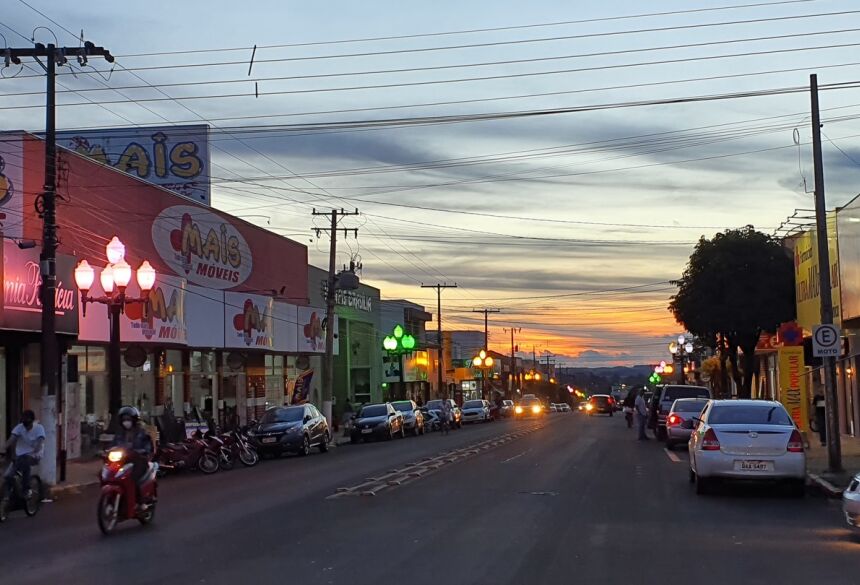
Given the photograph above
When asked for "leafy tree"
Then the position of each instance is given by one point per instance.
(735, 286)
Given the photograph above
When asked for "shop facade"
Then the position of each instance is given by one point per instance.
(405, 376)
(357, 372)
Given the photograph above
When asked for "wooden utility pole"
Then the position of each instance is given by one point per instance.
(439, 287)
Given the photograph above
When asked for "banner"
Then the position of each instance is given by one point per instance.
(302, 387)
(806, 278)
(173, 157)
(249, 321)
(792, 385)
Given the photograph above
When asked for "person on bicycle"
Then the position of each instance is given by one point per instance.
(445, 415)
(28, 440)
(132, 437)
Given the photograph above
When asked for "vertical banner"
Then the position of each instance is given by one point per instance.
(302, 387)
(792, 385)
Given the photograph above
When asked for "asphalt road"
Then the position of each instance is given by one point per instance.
(576, 501)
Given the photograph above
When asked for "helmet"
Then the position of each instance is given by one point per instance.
(129, 411)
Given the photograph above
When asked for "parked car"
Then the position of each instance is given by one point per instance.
(564, 407)
(680, 420)
(851, 503)
(476, 411)
(600, 403)
(507, 408)
(529, 407)
(746, 440)
(290, 429)
(377, 421)
(582, 406)
(553, 407)
(413, 418)
(457, 414)
(661, 402)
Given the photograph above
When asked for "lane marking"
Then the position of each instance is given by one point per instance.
(516, 456)
(672, 457)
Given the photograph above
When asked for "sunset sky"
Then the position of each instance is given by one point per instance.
(572, 224)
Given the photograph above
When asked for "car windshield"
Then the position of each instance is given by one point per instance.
(737, 414)
(600, 399)
(473, 404)
(689, 405)
(675, 392)
(402, 406)
(282, 415)
(434, 405)
(373, 410)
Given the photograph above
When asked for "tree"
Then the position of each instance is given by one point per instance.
(735, 286)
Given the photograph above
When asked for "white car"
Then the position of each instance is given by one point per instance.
(553, 407)
(476, 411)
(746, 440)
(851, 503)
(563, 407)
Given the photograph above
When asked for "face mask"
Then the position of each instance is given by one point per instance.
(28, 424)
(126, 424)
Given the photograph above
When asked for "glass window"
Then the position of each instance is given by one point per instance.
(473, 404)
(374, 410)
(280, 415)
(689, 405)
(773, 414)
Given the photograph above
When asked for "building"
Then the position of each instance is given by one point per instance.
(406, 375)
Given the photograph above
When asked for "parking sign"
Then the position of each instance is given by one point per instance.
(825, 340)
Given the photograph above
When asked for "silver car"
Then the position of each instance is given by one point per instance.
(476, 411)
(679, 421)
(851, 503)
(746, 440)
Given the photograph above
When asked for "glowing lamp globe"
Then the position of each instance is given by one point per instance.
(146, 276)
(398, 331)
(106, 278)
(688, 348)
(488, 361)
(408, 342)
(121, 274)
(389, 343)
(115, 250)
(84, 276)
(476, 361)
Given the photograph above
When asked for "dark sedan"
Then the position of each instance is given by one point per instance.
(413, 418)
(291, 429)
(377, 421)
(600, 403)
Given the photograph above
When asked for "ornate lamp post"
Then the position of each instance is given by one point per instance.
(484, 362)
(114, 279)
(397, 344)
(682, 348)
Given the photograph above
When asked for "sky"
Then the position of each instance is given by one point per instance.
(571, 223)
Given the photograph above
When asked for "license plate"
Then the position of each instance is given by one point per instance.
(269, 439)
(752, 465)
(366, 431)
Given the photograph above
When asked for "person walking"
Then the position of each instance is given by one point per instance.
(820, 418)
(628, 405)
(641, 410)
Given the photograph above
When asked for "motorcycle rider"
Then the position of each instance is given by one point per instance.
(132, 437)
(28, 440)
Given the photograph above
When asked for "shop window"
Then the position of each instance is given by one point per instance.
(204, 382)
(173, 382)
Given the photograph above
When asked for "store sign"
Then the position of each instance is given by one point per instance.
(202, 247)
(12, 184)
(22, 307)
(806, 278)
(174, 157)
(311, 330)
(348, 298)
(249, 321)
(162, 319)
(792, 385)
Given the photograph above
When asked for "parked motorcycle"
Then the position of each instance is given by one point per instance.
(13, 497)
(118, 500)
(240, 448)
(221, 449)
(192, 454)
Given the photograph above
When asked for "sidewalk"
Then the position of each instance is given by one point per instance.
(816, 464)
(79, 473)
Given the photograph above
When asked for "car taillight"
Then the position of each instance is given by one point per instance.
(674, 419)
(710, 441)
(795, 443)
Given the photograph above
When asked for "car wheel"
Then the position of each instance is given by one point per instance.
(390, 434)
(703, 485)
(306, 447)
(415, 430)
(402, 432)
(324, 443)
(691, 475)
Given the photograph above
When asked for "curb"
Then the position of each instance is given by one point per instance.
(830, 490)
(56, 491)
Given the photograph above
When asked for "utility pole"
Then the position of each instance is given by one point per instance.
(439, 287)
(328, 362)
(513, 359)
(46, 207)
(834, 446)
(486, 313)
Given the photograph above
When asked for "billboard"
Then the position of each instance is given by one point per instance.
(12, 184)
(806, 279)
(792, 385)
(173, 157)
(249, 321)
(848, 223)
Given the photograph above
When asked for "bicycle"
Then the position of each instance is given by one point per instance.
(13, 496)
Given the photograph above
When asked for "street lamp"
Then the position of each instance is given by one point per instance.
(114, 278)
(484, 362)
(682, 349)
(397, 344)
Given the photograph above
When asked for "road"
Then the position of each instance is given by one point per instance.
(574, 500)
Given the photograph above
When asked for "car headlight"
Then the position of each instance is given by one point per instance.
(536, 409)
(589, 407)
(518, 409)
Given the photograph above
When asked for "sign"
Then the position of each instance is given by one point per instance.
(347, 298)
(22, 308)
(12, 184)
(806, 276)
(792, 385)
(173, 157)
(788, 334)
(249, 321)
(302, 387)
(826, 341)
(202, 246)
(311, 330)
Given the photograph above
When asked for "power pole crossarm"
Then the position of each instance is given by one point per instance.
(439, 287)
(486, 313)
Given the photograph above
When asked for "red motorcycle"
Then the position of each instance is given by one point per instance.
(118, 501)
(192, 454)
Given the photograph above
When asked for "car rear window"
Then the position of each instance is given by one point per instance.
(689, 405)
(402, 406)
(473, 404)
(685, 392)
(600, 399)
(766, 414)
(375, 410)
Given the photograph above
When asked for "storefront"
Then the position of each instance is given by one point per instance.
(357, 372)
(409, 376)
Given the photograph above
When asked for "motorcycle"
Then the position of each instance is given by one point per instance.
(240, 448)
(192, 454)
(13, 495)
(118, 500)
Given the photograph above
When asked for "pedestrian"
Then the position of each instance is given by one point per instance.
(641, 410)
(445, 415)
(628, 406)
(346, 418)
(820, 418)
